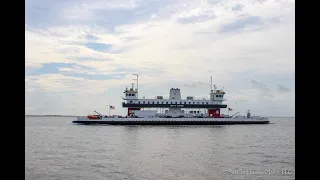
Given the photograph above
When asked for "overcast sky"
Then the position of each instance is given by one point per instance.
(81, 54)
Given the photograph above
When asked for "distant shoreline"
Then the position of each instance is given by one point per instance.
(53, 115)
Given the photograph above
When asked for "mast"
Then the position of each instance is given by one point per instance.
(137, 82)
(211, 92)
(211, 84)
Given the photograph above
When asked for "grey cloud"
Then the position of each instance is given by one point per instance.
(194, 84)
(190, 85)
(275, 20)
(237, 7)
(213, 1)
(265, 91)
(242, 23)
(283, 88)
(259, 85)
(260, 1)
(90, 37)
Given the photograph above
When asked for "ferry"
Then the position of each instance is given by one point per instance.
(173, 110)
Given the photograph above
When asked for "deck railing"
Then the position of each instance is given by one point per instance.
(167, 98)
(169, 103)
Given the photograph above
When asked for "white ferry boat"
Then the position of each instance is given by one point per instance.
(173, 111)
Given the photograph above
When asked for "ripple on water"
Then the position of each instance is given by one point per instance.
(58, 150)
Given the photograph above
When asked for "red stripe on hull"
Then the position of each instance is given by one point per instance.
(214, 113)
(130, 110)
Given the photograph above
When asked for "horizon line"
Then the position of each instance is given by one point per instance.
(78, 115)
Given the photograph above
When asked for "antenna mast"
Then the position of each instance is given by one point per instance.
(211, 84)
(137, 82)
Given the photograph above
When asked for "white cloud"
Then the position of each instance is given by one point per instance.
(85, 10)
(164, 48)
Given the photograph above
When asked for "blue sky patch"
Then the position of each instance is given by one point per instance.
(94, 76)
(87, 59)
(242, 23)
(101, 47)
(52, 68)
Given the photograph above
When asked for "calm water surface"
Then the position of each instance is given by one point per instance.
(57, 149)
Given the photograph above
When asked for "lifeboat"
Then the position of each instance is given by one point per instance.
(93, 117)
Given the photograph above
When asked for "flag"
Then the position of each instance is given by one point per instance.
(112, 107)
(230, 109)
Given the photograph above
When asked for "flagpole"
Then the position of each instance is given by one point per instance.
(109, 110)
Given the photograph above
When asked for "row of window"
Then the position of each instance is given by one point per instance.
(130, 94)
(143, 102)
(189, 98)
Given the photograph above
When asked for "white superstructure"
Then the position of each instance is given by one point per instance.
(174, 108)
